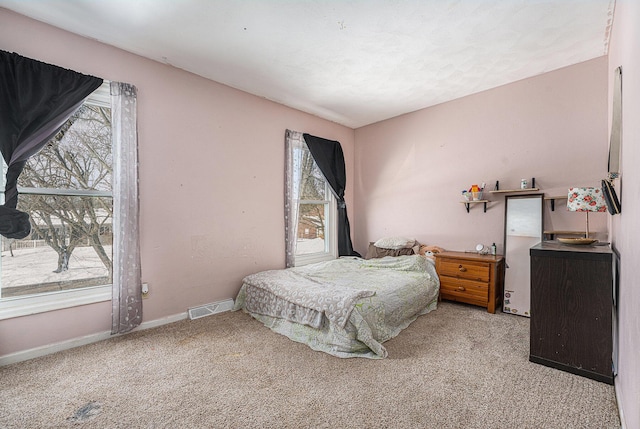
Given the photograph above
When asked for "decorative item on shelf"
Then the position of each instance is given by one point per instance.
(474, 195)
(476, 192)
(584, 200)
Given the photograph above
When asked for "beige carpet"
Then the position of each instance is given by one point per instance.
(457, 367)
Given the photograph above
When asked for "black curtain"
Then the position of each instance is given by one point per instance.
(36, 99)
(330, 159)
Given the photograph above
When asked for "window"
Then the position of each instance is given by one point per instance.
(316, 232)
(66, 189)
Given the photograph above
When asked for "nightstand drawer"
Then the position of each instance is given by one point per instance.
(462, 287)
(471, 278)
(472, 270)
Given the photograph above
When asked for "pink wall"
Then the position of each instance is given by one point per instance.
(211, 180)
(410, 170)
(625, 51)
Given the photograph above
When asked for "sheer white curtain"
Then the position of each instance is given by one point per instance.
(294, 145)
(127, 275)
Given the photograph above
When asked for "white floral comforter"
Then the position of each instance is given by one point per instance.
(346, 307)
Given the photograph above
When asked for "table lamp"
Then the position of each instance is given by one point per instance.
(585, 200)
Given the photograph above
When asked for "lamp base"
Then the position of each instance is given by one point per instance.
(577, 240)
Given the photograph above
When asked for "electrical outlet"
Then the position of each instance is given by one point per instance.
(145, 290)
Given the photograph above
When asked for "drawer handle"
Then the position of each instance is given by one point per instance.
(461, 268)
(461, 288)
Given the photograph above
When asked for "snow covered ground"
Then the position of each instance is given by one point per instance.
(36, 265)
(310, 245)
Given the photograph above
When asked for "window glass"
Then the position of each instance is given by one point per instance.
(314, 237)
(311, 229)
(66, 189)
(313, 182)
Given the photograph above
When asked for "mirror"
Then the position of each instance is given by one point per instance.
(522, 230)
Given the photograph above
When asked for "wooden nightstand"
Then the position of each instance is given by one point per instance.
(471, 278)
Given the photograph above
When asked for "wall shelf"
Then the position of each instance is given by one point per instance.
(507, 191)
(468, 204)
(497, 189)
(553, 200)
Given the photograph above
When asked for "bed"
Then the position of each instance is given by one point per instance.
(346, 307)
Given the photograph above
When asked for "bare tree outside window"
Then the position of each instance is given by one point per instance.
(66, 189)
(314, 200)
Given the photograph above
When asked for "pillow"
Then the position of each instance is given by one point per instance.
(378, 252)
(395, 243)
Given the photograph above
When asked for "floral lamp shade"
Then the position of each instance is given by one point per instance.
(586, 200)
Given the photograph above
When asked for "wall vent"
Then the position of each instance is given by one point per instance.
(209, 309)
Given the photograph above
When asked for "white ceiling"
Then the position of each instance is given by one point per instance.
(353, 62)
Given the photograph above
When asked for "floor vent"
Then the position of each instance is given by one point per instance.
(209, 309)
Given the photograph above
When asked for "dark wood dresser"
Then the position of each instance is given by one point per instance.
(572, 308)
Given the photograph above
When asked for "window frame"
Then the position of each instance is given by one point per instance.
(331, 230)
(57, 300)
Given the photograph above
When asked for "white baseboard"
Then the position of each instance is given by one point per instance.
(162, 321)
(619, 402)
(82, 341)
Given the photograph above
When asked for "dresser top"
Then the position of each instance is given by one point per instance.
(470, 256)
(556, 246)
